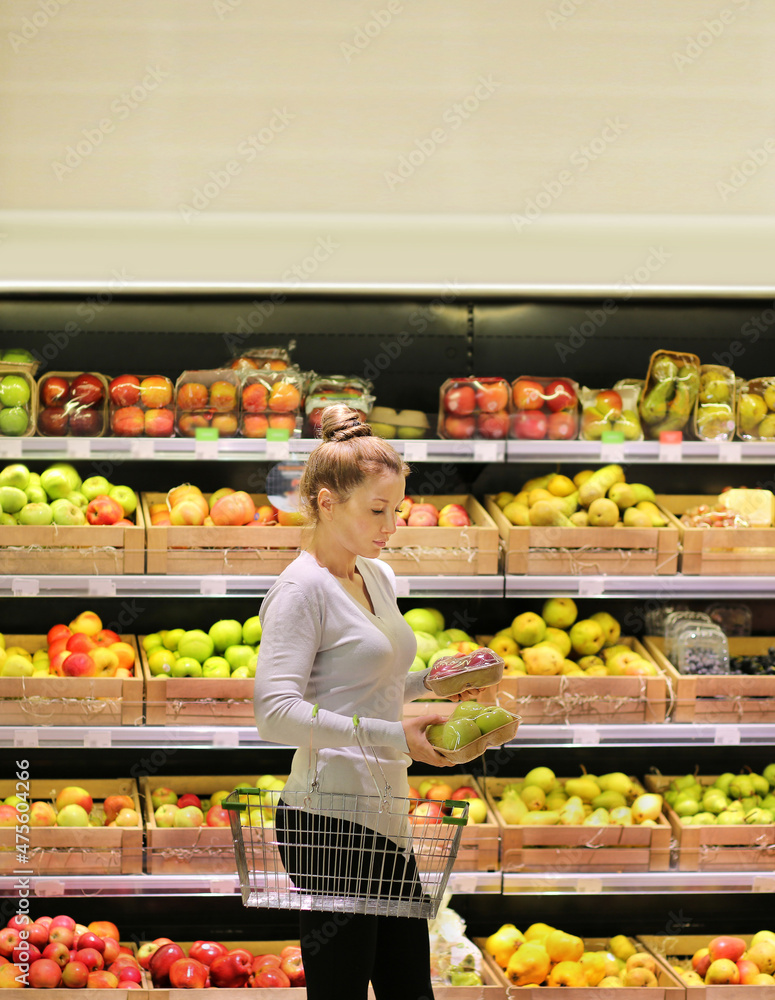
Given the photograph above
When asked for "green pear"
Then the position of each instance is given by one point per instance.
(543, 777)
(599, 817)
(617, 781)
(758, 816)
(608, 800)
(541, 817)
(572, 813)
(724, 781)
(749, 802)
(730, 817)
(684, 782)
(703, 819)
(760, 784)
(695, 792)
(687, 807)
(769, 774)
(555, 800)
(585, 788)
(621, 816)
(512, 810)
(714, 801)
(741, 787)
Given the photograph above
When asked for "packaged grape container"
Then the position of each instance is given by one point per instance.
(18, 402)
(544, 408)
(714, 411)
(72, 404)
(207, 398)
(142, 406)
(271, 400)
(453, 674)
(325, 390)
(756, 409)
(669, 394)
(473, 407)
(610, 410)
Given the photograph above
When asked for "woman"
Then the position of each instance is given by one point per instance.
(333, 636)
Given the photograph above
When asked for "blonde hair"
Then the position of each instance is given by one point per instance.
(349, 454)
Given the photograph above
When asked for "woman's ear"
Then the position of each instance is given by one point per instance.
(325, 503)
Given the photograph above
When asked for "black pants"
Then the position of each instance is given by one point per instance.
(342, 952)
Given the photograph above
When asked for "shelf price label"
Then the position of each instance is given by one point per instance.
(77, 447)
(226, 737)
(10, 448)
(142, 448)
(730, 451)
(763, 883)
(25, 586)
(489, 451)
(101, 587)
(591, 886)
(727, 736)
(612, 451)
(25, 737)
(591, 586)
(221, 886)
(211, 585)
(587, 736)
(49, 887)
(403, 586)
(416, 451)
(96, 738)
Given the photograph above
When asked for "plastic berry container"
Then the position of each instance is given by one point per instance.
(544, 408)
(473, 407)
(453, 674)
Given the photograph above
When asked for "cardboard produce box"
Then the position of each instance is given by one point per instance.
(587, 551)
(721, 698)
(433, 551)
(70, 701)
(579, 848)
(737, 847)
(91, 850)
(200, 550)
(197, 701)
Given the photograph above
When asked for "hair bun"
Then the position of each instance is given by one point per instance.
(341, 423)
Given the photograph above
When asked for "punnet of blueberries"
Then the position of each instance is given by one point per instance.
(699, 661)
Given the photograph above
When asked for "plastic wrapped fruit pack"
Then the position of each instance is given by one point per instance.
(271, 399)
(544, 408)
(72, 404)
(473, 407)
(714, 413)
(453, 674)
(276, 359)
(17, 402)
(325, 390)
(610, 410)
(756, 410)
(142, 406)
(207, 398)
(471, 729)
(668, 398)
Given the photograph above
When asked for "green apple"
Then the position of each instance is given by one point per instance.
(17, 356)
(251, 631)
(160, 661)
(238, 656)
(458, 733)
(225, 633)
(165, 815)
(12, 499)
(60, 476)
(468, 709)
(77, 499)
(456, 635)
(171, 638)
(125, 496)
(196, 643)
(16, 665)
(408, 433)
(14, 421)
(7, 519)
(95, 486)
(427, 645)
(14, 391)
(151, 641)
(492, 718)
(418, 664)
(17, 475)
(66, 513)
(216, 666)
(241, 673)
(36, 493)
(189, 816)
(36, 513)
(186, 666)
(72, 815)
(424, 620)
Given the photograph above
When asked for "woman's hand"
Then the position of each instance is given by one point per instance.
(470, 695)
(419, 747)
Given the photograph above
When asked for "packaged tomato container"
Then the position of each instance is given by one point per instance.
(756, 409)
(544, 408)
(474, 407)
(207, 398)
(271, 399)
(142, 406)
(72, 404)
(325, 390)
(610, 410)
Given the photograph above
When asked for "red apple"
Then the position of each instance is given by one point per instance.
(86, 423)
(726, 947)
(230, 971)
(206, 951)
(105, 637)
(58, 953)
(562, 426)
(189, 799)
(465, 792)
(79, 642)
(492, 395)
(54, 390)
(78, 665)
(293, 968)
(124, 390)
(12, 976)
(460, 400)
(126, 973)
(161, 963)
(269, 978)
(24, 952)
(493, 426)
(187, 974)
(46, 921)
(701, 961)
(159, 423)
(254, 398)
(104, 510)
(19, 922)
(90, 957)
(609, 403)
(560, 395)
(217, 816)
(263, 960)
(156, 392)
(44, 974)
(101, 979)
(748, 971)
(37, 934)
(254, 425)
(90, 940)
(75, 975)
(528, 395)
(129, 421)
(61, 935)
(9, 939)
(427, 812)
(529, 424)
(188, 423)
(192, 396)
(53, 421)
(86, 389)
(55, 633)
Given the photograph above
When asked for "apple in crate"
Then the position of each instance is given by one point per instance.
(453, 515)
(188, 974)
(161, 962)
(231, 971)
(206, 951)
(423, 515)
(104, 510)
(235, 509)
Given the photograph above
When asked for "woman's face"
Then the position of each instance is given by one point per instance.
(363, 524)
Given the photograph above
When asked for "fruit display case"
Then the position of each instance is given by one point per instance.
(75, 850)
(479, 849)
(731, 698)
(71, 701)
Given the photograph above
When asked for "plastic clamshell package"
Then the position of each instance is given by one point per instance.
(495, 738)
(473, 407)
(544, 408)
(453, 674)
(756, 409)
(600, 413)
(714, 410)
(669, 394)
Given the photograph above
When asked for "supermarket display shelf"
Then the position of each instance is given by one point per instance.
(425, 450)
(460, 883)
(651, 587)
(573, 734)
(150, 585)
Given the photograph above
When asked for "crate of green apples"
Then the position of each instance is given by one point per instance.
(593, 823)
(560, 667)
(188, 831)
(722, 823)
(201, 678)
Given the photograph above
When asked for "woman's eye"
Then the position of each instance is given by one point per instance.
(378, 512)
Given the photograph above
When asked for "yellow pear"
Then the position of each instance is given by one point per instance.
(622, 947)
(503, 943)
(572, 813)
(538, 932)
(542, 660)
(529, 965)
(599, 817)
(593, 964)
(585, 788)
(562, 947)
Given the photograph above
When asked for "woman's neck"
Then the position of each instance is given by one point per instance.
(330, 554)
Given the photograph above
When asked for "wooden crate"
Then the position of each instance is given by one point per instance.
(197, 701)
(207, 850)
(479, 849)
(668, 988)
(616, 551)
(720, 551)
(587, 699)
(93, 850)
(580, 848)
(470, 551)
(717, 848)
(70, 701)
(78, 550)
(196, 550)
(721, 698)
(62, 993)
(677, 949)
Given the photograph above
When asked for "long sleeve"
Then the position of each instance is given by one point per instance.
(292, 636)
(415, 685)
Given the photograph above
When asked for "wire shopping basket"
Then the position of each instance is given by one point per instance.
(344, 852)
